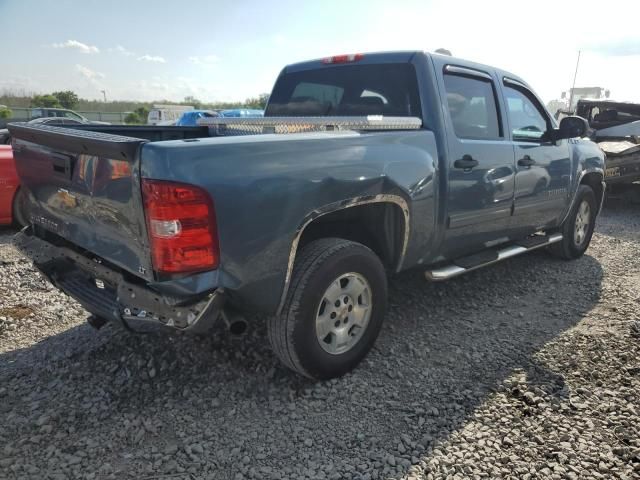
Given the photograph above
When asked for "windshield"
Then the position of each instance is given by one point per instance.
(352, 90)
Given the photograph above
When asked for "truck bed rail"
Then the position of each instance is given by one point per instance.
(253, 126)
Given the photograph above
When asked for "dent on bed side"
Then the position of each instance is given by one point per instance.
(394, 199)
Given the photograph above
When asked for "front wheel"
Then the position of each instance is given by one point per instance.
(577, 229)
(334, 309)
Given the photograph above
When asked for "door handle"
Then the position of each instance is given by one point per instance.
(466, 162)
(526, 161)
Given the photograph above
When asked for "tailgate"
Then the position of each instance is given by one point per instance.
(85, 187)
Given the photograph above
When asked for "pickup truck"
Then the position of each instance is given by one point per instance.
(363, 166)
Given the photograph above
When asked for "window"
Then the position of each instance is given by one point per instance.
(472, 107)
(37, 113)
(347, 90)
(72, 115)
(526, 120)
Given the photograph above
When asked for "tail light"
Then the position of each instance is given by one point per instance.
(353, 57)
(181, 224)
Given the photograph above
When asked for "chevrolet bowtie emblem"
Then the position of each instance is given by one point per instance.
(66, 198)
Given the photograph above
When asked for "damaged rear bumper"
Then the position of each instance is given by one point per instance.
(107, 293)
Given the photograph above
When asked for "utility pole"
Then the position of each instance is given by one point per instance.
(104, 93)
(575, 75)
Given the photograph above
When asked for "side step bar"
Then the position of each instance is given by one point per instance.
(491, 256)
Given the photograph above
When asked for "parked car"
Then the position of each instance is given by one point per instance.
(398, 172)
(12, 198)
(5, 136)
(242, 113)
(190, 118)
(41, 112)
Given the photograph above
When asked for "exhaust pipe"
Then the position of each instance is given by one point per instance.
(96, 322)
(238, 328)
(236, 324)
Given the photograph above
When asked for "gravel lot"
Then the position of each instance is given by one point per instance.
(528, 369)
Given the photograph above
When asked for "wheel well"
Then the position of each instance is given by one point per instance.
(594, 180)
(379, 226)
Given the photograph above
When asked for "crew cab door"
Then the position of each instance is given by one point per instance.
(543, 168)
(481, 161)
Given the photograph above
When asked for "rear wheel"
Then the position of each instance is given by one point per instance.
(577, 229)
(20, 208)
(334, 309)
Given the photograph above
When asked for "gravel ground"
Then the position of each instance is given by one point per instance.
(527, 369)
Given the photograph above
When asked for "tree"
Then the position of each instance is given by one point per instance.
(5, 112)
(257, 102)
(67, 99)
(47, 101)
(139, 116)
(143, 113)
(191, 100)
(132, 118)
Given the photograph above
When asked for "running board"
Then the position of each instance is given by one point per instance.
(493, 256)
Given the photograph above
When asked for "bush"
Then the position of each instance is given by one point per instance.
(5, 113)
(132, 118)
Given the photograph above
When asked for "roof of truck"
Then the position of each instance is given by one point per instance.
(399, 57)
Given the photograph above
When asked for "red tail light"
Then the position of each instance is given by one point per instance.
(353, 57)
(182, 228)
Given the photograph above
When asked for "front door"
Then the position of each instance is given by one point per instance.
(481, 163)
(543, 168)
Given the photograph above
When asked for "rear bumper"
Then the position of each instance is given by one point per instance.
(623, 169)
(105, 292)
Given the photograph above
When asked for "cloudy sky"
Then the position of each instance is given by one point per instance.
(230, 50)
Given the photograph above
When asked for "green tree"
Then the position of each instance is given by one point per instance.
(191, 100)
(257, 102)
(5, 112)
(132, 118)
(143, 113)
(47, 101)
(138, 116)
(67, 99)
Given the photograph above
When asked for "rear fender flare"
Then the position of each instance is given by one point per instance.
(333, 207)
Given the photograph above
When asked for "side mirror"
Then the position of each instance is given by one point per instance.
(571, 127)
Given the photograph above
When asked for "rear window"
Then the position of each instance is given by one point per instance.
(347, 90)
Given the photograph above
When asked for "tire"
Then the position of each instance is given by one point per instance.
(328, 269)
(20, 209)
(573, 245)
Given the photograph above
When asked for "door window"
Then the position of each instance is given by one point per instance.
(526, 120)
(472, 107)
(73, 116)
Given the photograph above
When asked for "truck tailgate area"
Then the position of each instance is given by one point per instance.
(84, 186)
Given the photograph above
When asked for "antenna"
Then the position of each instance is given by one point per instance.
(575, 75)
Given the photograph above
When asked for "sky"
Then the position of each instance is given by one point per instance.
(219, 50)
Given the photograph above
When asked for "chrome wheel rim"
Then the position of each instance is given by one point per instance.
(344, 313)
(583, 220)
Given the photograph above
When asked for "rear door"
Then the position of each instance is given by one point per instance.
(481, 161)
(84, 187)
(543, 168)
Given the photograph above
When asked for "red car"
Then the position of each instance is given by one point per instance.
(11, 197)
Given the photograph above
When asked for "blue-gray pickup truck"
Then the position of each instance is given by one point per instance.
(363, 165)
